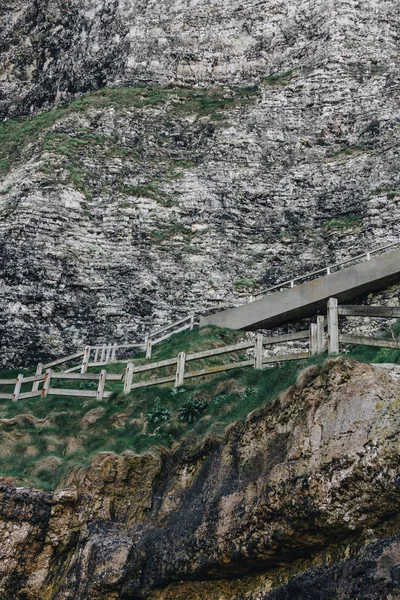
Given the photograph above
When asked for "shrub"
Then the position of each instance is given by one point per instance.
(159, 414)
(191, 410)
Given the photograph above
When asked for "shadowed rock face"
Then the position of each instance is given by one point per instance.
(300, 501)
(115, 218)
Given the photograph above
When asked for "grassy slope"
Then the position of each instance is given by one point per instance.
(41, 441)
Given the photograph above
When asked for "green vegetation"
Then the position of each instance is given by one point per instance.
(347, 151)
(146, 190)
(6, 191)
(170, 231)
(41, 442)
(185, 163)
(385, 189)
(280, 78)
(17, 135)
(246, 283)
(344, 222)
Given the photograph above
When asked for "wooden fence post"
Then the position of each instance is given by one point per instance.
(258, 351)
(149, 349)
(108, 354)
(333, 326)
(320, 334)
(39, 371)
(180, 369)
(46, 383)
(102, 381)
(128, 378)
(85, 359)
(96, 355)
(313, 339)
(103, 354)
(114, 352)
(191, 321)
(17, 388)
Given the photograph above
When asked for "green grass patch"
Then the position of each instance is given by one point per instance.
(344, 222)
(247, 282)
(42, 442)
(347, 151)
(147, 190)
(170, 231)
(279, 78)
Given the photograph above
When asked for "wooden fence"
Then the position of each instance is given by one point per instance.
(335, 337)
(107, 353)
(155, 337)
(43, 383)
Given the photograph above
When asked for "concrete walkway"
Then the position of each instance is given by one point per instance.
(307, 299)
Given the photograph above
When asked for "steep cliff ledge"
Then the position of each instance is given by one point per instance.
(300, 501)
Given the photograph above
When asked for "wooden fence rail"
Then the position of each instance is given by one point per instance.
(315, 336)
(335, 337)
(182, 373)
(102, 355)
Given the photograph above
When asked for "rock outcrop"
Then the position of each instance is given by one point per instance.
(299, 501)
(136, 206)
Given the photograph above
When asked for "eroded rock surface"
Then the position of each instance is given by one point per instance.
(300, 501)
(119, 217)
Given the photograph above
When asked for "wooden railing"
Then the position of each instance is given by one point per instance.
(105, 354)
(155, 337)
(335, 337)
(43, 383)
(102, 355)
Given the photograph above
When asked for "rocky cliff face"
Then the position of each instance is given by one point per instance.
(132, 207)
(300, 501)
(53, 49)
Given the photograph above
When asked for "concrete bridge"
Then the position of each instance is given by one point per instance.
(307, 299)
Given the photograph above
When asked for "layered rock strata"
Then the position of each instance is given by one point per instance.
(129, 210)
